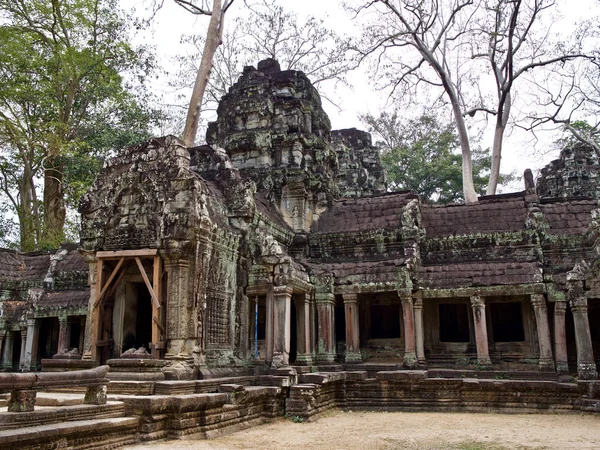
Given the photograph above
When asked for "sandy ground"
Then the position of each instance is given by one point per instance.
(399, 430)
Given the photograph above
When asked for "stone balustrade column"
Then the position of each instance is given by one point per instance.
(538, 301)
(352, 328)
(481, 336)
(560, 338)
(22, 356)
(303, 356)
(8, 351)
(282, 309)
(586, 366)
(325, 304)
(419, 333)
(31, 347)
(408, 318)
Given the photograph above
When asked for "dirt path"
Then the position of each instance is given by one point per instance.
(379, 430)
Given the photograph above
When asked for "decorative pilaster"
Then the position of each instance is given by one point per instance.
(560, 338)
(179, 303)
(31, 352)
(303, 356)
(538, 301)
(419, 333)
(586, 366)
(325, 304)
(481, 336)
(282, 303)
(408, 318)
(352, 328)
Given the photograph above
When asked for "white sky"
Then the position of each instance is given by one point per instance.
(518, 154)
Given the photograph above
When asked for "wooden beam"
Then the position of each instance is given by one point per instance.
(147, 281)
(158, 324)
(127, 253)
(112, 276)
(157, 327)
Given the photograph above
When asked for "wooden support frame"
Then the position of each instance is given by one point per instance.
(105, 289)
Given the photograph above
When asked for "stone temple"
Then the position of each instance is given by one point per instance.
(270, 272)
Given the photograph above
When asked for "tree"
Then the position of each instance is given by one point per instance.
(421, 156)
(61, 66)
(447, 43)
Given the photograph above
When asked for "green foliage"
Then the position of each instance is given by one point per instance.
(68, 80)
(423, 156)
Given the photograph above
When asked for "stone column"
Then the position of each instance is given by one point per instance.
(8, 350)
(419, 333)
(408, 318)
(352, 328)
(282, 305)
(269, 311)
(63, 334)
(325, 304)
(22, 356)
(313, 331)
(179, 305)
(586, 366)
(538, 301)
(303, 356)
(2, 336)
(31, 351)
(560, 338)
(481, 336)
(91, 323)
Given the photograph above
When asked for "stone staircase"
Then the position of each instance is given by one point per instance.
(74, 426)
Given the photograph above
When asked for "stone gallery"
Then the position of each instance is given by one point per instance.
(270, 272)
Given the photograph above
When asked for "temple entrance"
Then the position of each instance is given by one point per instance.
(48, 339)
(137, 317)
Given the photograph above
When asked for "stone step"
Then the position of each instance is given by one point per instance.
(80, 435)
(46, 415)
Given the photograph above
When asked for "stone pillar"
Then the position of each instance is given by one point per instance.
(560, 338)
(31, 351)
(303, 328)
(408, 318)
(282, 305)
(91, 323)
(63, 334)
(22, 356)
(8, 350)
(586, 366)
(179, 305)
(419, 333)
(538, 301)
(269, 311)
(325, 304)
(352, 328)
(2, 336)
(481, 336)
(313, 331)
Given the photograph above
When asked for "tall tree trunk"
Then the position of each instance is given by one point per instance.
(213, 40)
(501, 122)
(54, 204)
(27, 213)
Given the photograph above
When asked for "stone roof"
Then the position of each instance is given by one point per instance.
(23, 266)
(500, 213)
(64, 299)
(361, 272)
(569, 217)
(268, 209)
(366, 213)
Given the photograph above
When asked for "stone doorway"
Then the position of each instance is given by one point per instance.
(135, 318)
(16, 351)
(48, 339)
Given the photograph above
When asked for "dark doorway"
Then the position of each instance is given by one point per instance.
(340, 323)
(507, 322)
(137, 319)
(75, 333)
(16, 354)
(48, 338)
(385, 321)
(293, 332)
(454, 322)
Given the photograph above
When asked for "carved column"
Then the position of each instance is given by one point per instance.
(538, 301)
(419, 333)
(481, 336)
(408, 318)
(325, 304)
(313, 331)
(179, 306)
(63, 334)
(91, 323)
(352, 328)
(8, 350)
(269, 311)
(303, 328)
(282, 305)
(560, 338)
(31, 348)
(23, 349)
(586, 366)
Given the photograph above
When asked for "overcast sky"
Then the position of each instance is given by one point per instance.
(172, 22)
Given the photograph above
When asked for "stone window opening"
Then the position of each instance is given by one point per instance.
(453, 322)
(507, 321)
